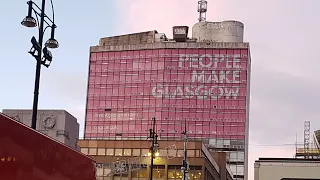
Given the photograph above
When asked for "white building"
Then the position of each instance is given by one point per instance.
(286, 169)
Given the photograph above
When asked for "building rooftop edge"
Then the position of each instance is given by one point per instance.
(128, 34)
(287, 160)
(61, 110)
(170, 45)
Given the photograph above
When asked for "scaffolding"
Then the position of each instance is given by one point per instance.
(309, 150)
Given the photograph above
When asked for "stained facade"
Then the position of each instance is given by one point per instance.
(204, 86)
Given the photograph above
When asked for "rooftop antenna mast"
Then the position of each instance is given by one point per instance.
(202, 9)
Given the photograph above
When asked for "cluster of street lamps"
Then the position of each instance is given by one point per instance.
(37, 46)
(154, 144)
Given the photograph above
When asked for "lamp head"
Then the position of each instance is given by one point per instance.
(29, 21)
(47, 57)
(52, 42)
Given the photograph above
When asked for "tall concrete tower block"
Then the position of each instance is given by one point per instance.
(225, 31)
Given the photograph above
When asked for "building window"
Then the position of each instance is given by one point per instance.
(237, 169)
(162, 152)
(99, 172)
(180, 153)
(120, 177)
(118, 152)
(106, 172)
(195, 172)
(159, 172)
(197, 153)
(190, 153)
(241, 156)
(85, 151)
(127, 152)
(93, 143)
(92, 151)
(174, 172)
(110, 152)
(140, 174)
(101, 151)
(144, 152)
(136, 152)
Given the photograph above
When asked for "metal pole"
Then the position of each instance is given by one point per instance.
(152, 147)
(185, 163)
(38, 70)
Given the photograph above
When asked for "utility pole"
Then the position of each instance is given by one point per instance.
(154, 144)
(185, 165)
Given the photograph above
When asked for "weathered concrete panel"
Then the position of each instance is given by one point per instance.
(225, 31)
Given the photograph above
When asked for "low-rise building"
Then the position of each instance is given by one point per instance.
(286, 169)
(58, 124)
(130, 160)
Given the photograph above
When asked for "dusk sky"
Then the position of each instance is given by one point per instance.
(283, 37)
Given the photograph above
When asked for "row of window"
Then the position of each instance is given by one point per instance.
(139, 152)
(170, 64)
(155, 57)
(172, 114)
(158, 174)
(175, 121)
(216, 116)
(147, 114)
(112, 84)
(172, 128)
(169, 136)
(167, 73)
(127, 132)
(204, 121)
(203, 101)
(140, 103)
(170, 54)
(126, 105)
(187, 80)
(166, 95)
(182, 109)
(147, 104)
(148, 87)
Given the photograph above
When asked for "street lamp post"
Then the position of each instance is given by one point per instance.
(185, 165)
(37, 46)
(154, 137)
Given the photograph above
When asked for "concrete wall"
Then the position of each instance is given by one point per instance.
(135, 38)
(226, 31)
(278, 170)
(58, 124)
(170, 45)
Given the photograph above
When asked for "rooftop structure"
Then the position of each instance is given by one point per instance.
(58, 124)
(286, 169)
